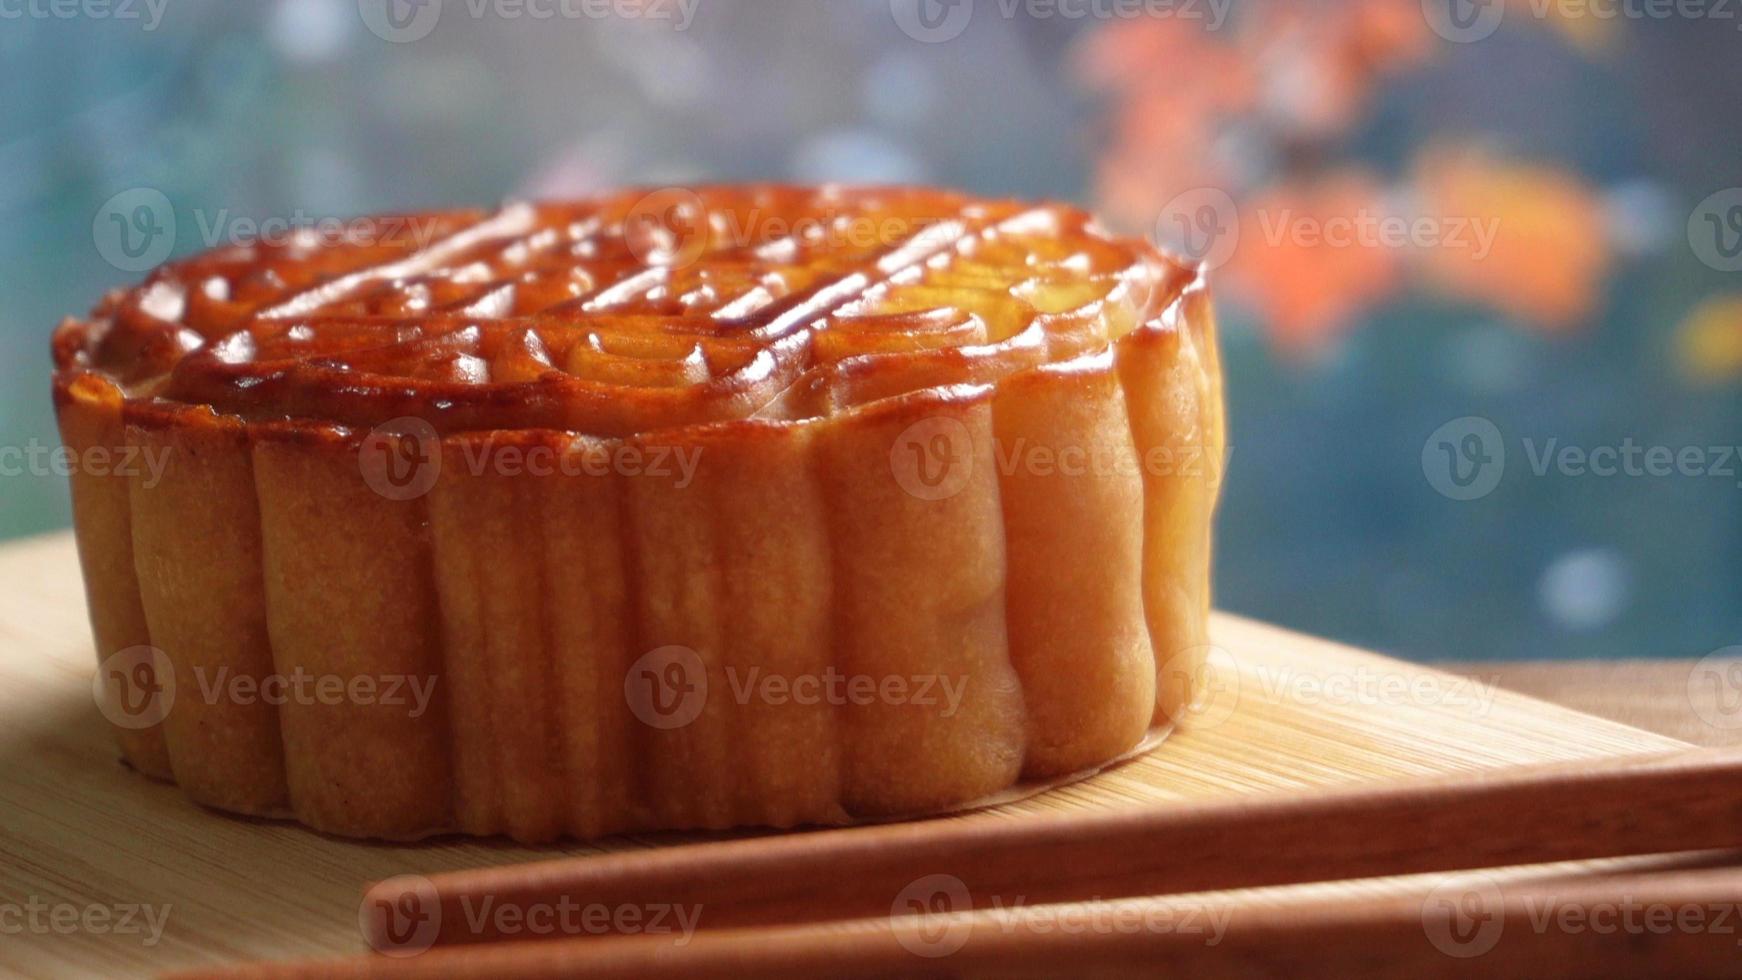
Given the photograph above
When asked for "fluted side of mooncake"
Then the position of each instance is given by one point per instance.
(957, 550)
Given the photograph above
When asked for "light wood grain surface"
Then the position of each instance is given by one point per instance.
(85, 843)
(1692, 700)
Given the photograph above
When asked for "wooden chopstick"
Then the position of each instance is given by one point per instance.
(1468, 925)
(1644, 804)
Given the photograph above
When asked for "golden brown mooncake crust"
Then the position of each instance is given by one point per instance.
(907, 439)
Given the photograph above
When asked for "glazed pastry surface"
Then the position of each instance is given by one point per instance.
(673, 508)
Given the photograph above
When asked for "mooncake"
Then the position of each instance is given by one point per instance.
(672, 508)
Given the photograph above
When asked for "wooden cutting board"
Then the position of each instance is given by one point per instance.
(103, 871)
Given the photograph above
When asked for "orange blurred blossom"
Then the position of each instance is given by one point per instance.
(1311, 261)
(1551, 249)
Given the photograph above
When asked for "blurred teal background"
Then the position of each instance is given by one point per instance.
(1604, 150)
